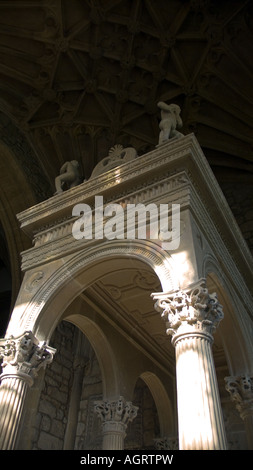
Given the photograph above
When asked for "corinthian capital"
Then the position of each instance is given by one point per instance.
(24, 355)
(116, 410)
(193, 309)
(241, 392)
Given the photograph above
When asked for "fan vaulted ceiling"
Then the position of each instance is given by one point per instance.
(79, 76)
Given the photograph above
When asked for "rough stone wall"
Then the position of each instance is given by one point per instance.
(52, 412)
(145, 427)
(53, 407)
(88, 431)
(235, 430)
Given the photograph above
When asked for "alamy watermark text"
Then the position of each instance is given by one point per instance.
(134, 221)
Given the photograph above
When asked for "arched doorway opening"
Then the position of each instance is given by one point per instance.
(114, 318)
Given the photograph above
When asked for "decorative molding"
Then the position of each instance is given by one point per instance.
(151, 167)
(58, 240)
(145, 280)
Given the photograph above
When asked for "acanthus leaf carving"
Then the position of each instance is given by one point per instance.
(193, 309)
(24, 354)
(116, 410)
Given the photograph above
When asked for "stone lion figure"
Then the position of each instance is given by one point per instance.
(170, 120)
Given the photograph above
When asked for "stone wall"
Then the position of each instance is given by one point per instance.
(55, 418)
(88, 431)
(51, 420)
(145, 427)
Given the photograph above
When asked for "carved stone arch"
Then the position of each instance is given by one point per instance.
(42, 313)
(234, 336)
(54, 301)
(162, 402)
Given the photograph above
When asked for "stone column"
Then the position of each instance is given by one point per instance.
(22, 358)
(241, 392)
(191, 317)
(115, 416)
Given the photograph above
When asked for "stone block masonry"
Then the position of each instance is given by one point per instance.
(51, 420)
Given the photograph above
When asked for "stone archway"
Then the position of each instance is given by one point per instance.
(232, 333)
(41, 311)
(103, 351)
(110, 336)
(162, 402)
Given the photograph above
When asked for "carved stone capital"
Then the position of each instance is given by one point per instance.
(24, 355)
(166, 443)
(241, 392)
(115, 411)
(192, 310)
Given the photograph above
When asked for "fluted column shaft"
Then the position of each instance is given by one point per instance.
(115, 416)
(12, 396)
(22, 358)
(113, 435)
(191, 317)
(200, 418)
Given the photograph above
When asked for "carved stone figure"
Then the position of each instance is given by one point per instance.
(117, 156)
(170, 120)
(69, 174)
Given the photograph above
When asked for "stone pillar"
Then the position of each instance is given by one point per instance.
(115, 416)
(241, 392)
(22, 358)
(191, 317)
